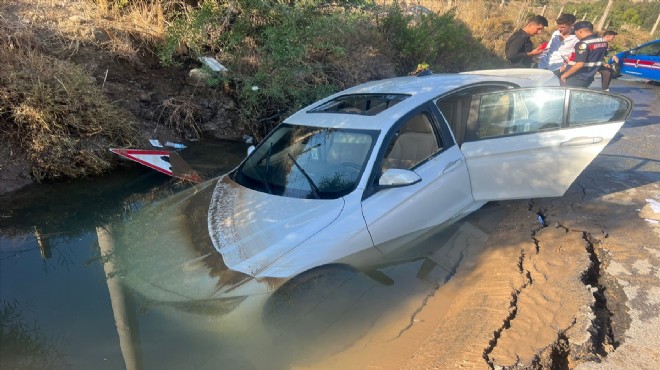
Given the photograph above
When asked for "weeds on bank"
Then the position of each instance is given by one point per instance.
(53, 110)
(182, 115)
(283, 56)
(280, 56)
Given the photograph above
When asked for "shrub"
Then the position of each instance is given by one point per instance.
(281, 57)
(437, 39)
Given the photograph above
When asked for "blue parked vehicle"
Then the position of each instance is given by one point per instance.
(642, 61)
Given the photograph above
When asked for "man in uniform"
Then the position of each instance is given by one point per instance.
(589, 53)
(519, 49)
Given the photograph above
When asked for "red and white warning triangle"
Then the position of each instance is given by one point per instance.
(167, 162)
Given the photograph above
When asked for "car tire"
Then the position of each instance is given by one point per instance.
(302, 308)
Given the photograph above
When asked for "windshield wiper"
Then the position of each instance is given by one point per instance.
(315, 190)
(265, 177)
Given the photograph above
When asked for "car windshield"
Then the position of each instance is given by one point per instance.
(307, 162)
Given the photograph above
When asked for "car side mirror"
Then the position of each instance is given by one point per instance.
(250, 149)
(396, 177)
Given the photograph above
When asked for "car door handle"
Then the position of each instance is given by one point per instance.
(452, 165)
(582, 140)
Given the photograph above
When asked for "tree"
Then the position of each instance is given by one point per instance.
(606, 13)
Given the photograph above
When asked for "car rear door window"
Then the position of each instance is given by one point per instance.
(589, 107)
(515, 112)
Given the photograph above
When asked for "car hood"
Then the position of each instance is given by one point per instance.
(163, 252)
(253, 230)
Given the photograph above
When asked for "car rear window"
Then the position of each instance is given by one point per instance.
(363, 104)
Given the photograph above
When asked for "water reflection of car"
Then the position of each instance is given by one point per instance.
(353, 177)
(642, 61)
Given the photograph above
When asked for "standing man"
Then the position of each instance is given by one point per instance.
(589, 53)
(519, 49)
(606, 72)
(561, 45)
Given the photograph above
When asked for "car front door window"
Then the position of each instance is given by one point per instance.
(415, 142)
(422, 144)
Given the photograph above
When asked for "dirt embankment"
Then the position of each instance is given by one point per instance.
(163, 102)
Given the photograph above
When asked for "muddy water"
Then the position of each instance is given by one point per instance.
(102, 274)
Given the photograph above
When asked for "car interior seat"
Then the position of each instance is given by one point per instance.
(415, 143)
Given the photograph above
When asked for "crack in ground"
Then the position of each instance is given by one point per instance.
(604, 340)
(537, 246)
(513, 311)
(557, 354)
(452, 272)
(513, 305)
(560, 226)
(413, 316)
(540, 217)
(583, 189)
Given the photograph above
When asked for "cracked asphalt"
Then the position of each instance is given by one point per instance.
(570, 282)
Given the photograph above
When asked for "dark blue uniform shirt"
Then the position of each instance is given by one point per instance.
(591, 50)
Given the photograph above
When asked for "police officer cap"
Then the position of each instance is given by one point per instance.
(583, 24)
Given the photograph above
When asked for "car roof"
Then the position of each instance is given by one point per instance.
(420, 90)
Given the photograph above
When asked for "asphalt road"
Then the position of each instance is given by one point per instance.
(623, 185)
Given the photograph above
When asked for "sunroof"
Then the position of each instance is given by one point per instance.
(363, 104)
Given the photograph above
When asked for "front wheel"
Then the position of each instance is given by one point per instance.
(311, 303)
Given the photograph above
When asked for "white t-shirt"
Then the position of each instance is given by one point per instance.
(558, 51)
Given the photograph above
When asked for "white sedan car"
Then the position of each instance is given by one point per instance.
(351, 178)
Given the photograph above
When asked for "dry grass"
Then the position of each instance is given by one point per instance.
(182, 115)
(126, 32)
(628, 38)
(492, 25)
(487, 22)
(53, 110)
(365, 58)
